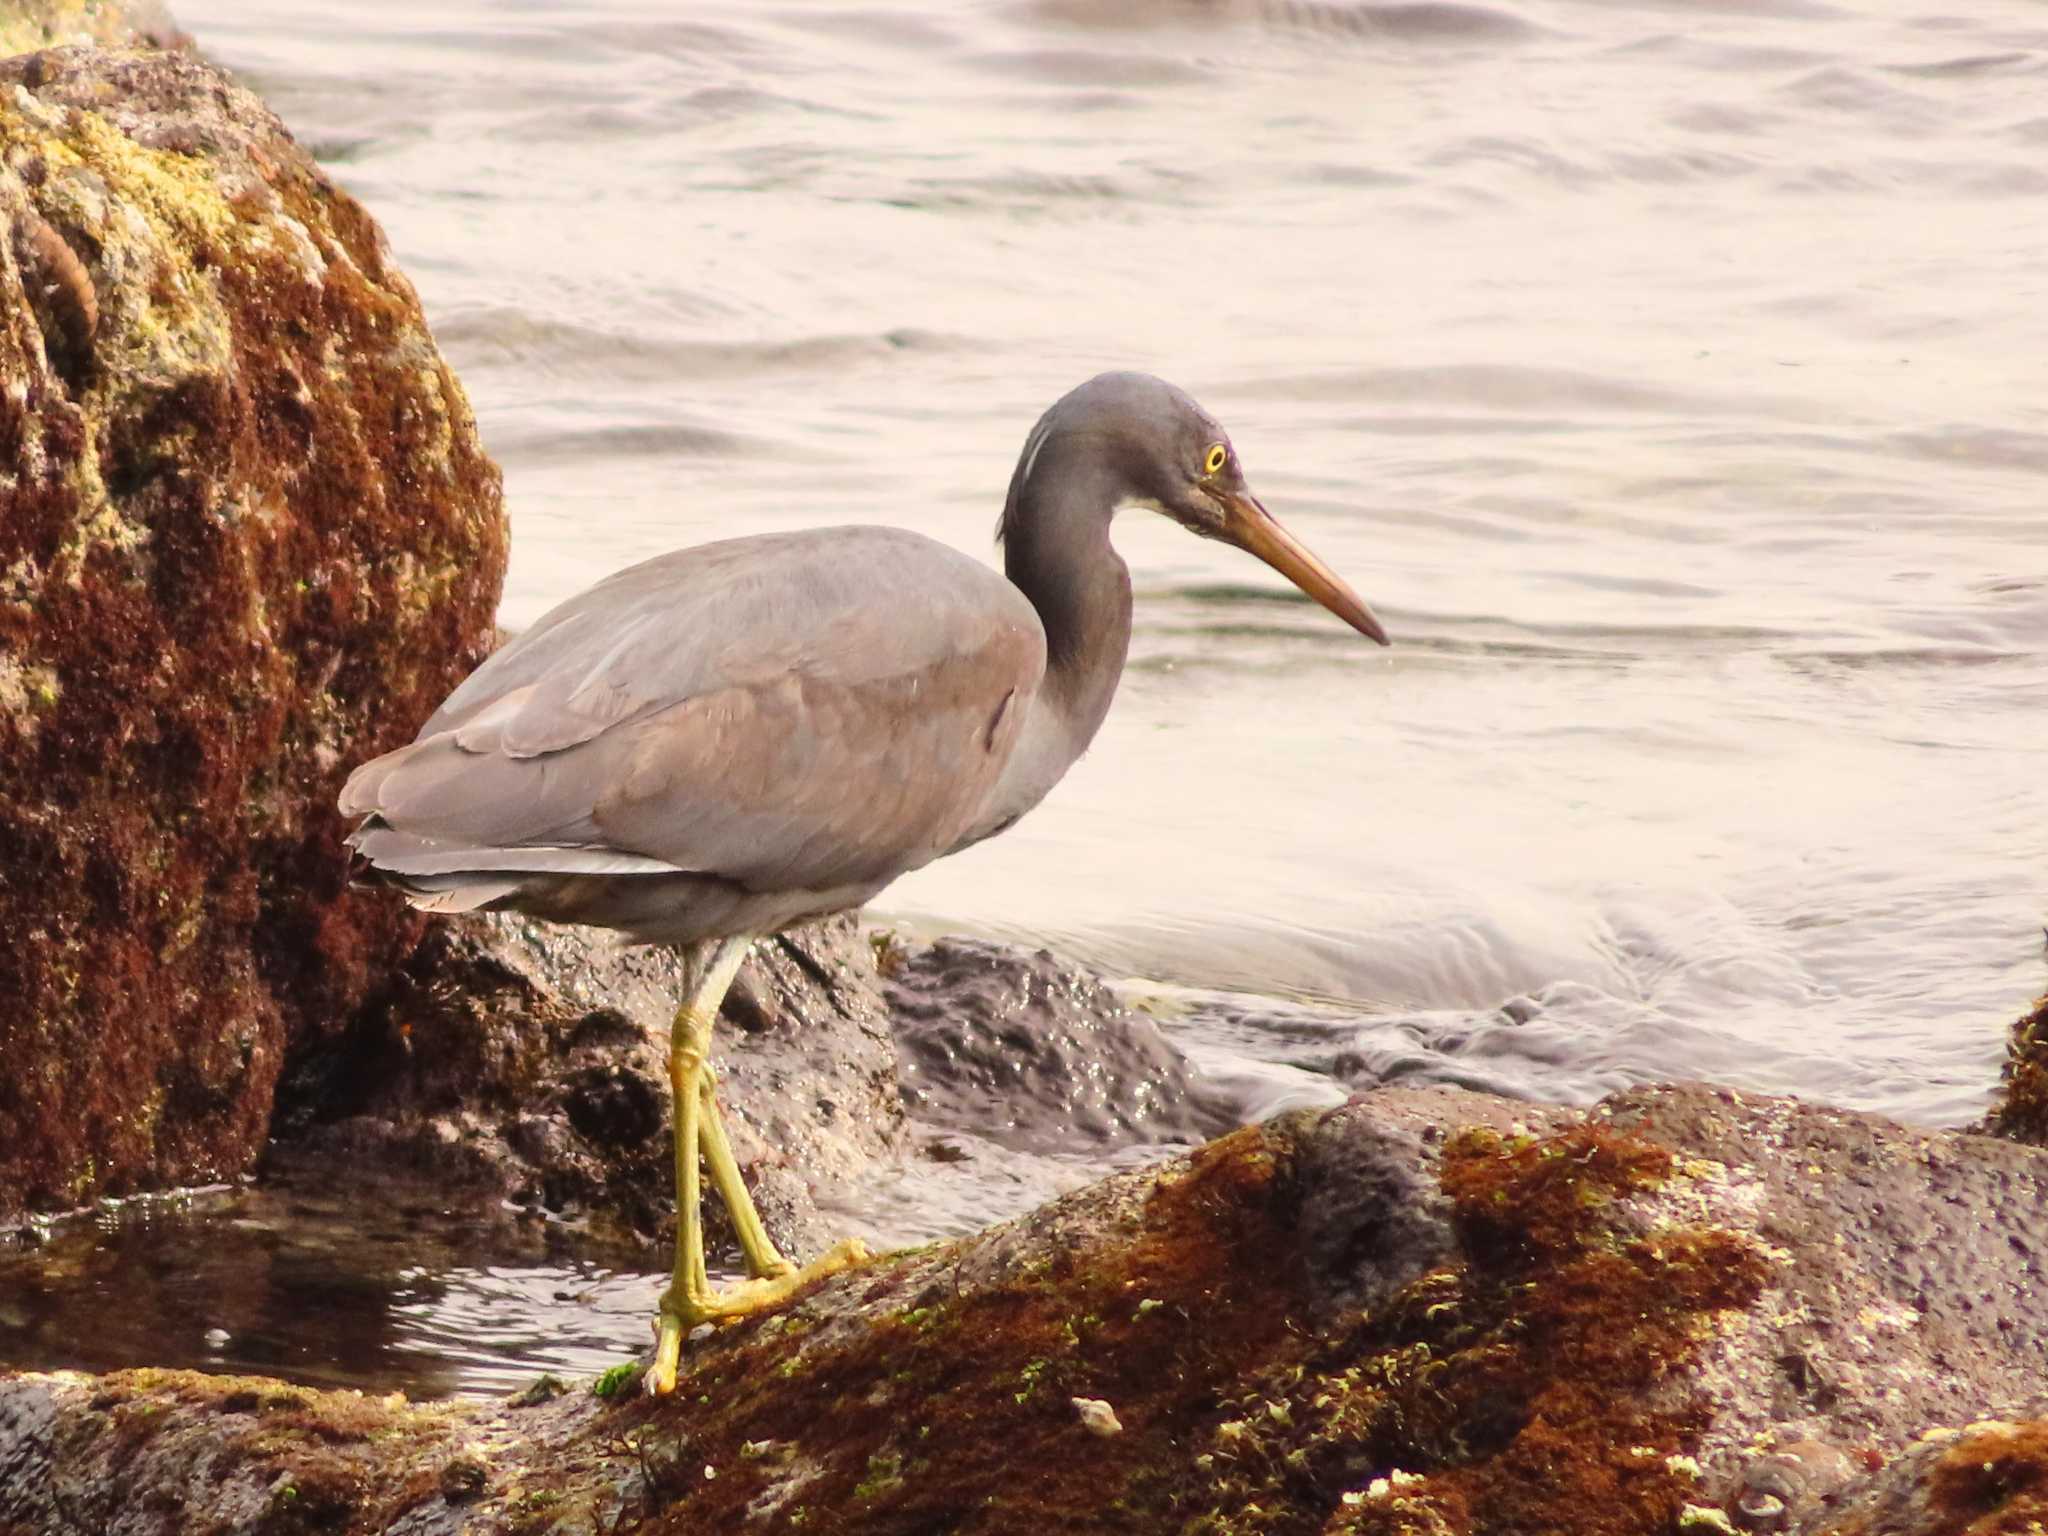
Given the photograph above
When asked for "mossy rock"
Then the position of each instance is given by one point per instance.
(247, 538)
(2022, 1108)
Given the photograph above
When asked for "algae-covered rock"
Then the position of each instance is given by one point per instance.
(2022, 1108)
(1988, 1478)
(247, 538)
(1424, 1312)
(152, 1451)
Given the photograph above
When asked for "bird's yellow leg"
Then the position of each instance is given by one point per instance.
(712, 967)
(689, 1298)
(764, 1260)
(774, 1276)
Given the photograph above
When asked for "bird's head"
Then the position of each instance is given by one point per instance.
(1163, 452)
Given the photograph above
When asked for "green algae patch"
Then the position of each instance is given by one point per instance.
(618, 1380)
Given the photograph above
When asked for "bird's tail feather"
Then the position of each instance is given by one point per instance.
(438, 877)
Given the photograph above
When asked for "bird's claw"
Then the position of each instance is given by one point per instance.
(681, 1313)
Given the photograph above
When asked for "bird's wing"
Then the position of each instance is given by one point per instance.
(812, 709)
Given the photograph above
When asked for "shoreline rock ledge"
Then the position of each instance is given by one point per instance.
(1428, 1312)
(248, 537)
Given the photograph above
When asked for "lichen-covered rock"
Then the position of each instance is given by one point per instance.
(2022, 1108)
(247, 539)
(530, 1059)
(26, 25)
(1424, 1312)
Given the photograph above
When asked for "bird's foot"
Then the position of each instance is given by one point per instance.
(685, 1307)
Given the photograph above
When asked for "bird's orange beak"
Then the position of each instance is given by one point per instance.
(1253, 529)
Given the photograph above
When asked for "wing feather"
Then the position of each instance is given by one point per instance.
(795, 711)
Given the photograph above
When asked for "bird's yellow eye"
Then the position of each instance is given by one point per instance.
(1218, 457)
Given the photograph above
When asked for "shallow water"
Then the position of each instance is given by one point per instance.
(1669, 376)
(379, 1284)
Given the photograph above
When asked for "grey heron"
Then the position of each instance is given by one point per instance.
(723, 741)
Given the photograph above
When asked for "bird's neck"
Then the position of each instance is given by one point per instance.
(1056, 551)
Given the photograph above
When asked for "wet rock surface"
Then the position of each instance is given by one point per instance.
(247, 538)
(1034, 1055)
(1426, 1311)
(1911, 1295)
(530, 1060)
